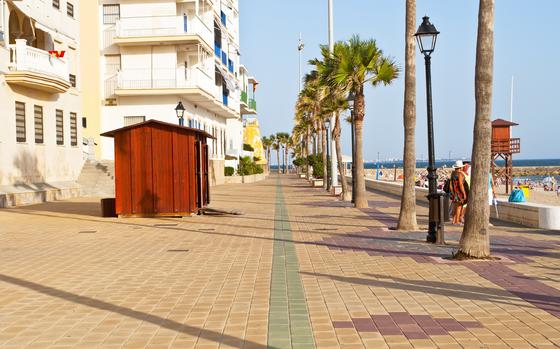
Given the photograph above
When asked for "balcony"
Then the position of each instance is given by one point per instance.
(163, 30)
(193, 84)
(35, 68)
(248, 105)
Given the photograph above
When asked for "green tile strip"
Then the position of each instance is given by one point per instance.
(288, 320)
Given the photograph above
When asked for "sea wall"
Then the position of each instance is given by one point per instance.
(526, 214)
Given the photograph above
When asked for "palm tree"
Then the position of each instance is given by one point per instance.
(283, 138)
(267, 143)
(475, 240)
(335, 102)
(407, 216)
(354, 64)
(287, 146)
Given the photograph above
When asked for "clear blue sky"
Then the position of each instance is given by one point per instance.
(525, 47)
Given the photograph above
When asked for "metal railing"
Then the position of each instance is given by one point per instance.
(23, 57)
(253, 104)
(163, 26)
(161, 78)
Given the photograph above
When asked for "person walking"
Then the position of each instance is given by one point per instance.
(458, 191)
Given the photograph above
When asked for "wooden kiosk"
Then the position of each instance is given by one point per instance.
(503, 147)
(161, 169)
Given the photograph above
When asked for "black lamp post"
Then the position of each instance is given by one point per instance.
(350, 101)
(328, 127)
(180, 110)
(426, 35)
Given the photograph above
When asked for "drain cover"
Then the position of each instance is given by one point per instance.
(206, 229)
(177, 250)
(165, 225)
(87, 232)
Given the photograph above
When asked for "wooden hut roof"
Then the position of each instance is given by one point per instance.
(156, 122)
(502, 122)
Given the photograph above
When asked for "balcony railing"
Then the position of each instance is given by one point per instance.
(253, 104)
(165, 78)
(244, 97)
(506, 146)
(27, 58)
(135, 27)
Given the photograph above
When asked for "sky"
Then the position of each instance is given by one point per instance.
(525, 48)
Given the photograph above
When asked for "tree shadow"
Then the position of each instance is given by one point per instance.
(134, 314)
(473, 293)
(92, 209)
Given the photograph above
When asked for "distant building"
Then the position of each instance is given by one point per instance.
(154, 54)
(40, 137)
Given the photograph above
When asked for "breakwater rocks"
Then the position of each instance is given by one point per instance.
(389, 173)
(536, 171)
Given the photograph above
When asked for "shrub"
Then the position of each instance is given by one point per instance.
(248, 167)
(299, 162)
(248, 147)
(229, 171)
(316, 162)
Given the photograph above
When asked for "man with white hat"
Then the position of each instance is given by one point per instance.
(459, 192)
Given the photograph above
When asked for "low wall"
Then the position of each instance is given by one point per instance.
(526, 214)
(245, 179)
(29, 194)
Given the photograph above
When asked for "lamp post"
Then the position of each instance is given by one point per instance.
(426, 35)
(350, 101)
(328, 127)
(180, 110)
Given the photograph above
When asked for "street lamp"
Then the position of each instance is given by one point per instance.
(350, 101)
(328, 127)
(426, 35)
(180, 110)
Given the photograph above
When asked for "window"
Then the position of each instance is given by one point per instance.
(72, 79)
(73, 129)
(111, 13)
(20, 122)
(38, 113)
(132, 120)
(84, 122)
(59, 127)
(70, 9)
(56, 4)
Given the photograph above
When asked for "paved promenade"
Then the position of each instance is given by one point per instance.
(297, 270)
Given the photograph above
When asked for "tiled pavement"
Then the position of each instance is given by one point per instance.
(298, 269)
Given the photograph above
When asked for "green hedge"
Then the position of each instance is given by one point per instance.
(248, 167)
(229, 171)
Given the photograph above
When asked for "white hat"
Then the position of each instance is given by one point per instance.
(458, 164)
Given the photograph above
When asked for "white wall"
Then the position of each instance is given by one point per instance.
(27, 162)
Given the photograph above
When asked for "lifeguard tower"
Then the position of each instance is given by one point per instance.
(503, 147)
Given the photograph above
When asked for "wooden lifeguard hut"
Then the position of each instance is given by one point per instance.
(503, 148)
(161, 169)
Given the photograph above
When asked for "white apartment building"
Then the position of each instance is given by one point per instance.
(40, 137)
(156, 53)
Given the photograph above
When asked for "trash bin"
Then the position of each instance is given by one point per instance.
(108, 207)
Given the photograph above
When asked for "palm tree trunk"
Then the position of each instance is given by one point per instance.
(475, 240)
(286, 156)
(324, 156)
(268, 152)
(360, 200)
(407, 216)
(307, 152)
(336, 136)
(278, 150)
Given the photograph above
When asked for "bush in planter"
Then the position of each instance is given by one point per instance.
(316, 162)
(229, 171)
(248, 167)
(301, 163)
